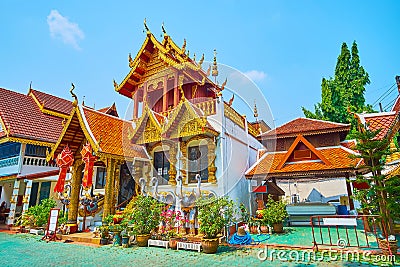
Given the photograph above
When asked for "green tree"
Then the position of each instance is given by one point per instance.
(381, 197)
(344, 92)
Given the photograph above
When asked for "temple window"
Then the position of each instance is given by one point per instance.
(9, 150)
(35, 151)
(101, 174)
(161, 166)
(198, 163)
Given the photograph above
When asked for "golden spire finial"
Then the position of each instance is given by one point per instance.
(201, 60)
(224, 83)
(183, 46)
(255, 110)
(130, 60)
(115, 84)
(73, 94)
(215, 66)
(163, 29)
(145, 26)
(194, 57)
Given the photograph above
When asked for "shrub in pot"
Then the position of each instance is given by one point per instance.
(275, 214)
(144, 215)
(213, 214)
(104, 234)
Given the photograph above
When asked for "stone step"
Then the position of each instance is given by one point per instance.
(82, 237)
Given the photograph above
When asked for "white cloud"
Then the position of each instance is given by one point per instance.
(60, 27)
(256, 75)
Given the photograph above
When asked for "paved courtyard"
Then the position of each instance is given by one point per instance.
(29, 250)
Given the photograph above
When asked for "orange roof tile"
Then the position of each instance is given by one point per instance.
(338, 157)
(305, 126)
(381, 120)
(53, 103)
(111, 134)
(23, 118)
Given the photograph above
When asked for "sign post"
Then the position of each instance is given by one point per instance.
(51, 230)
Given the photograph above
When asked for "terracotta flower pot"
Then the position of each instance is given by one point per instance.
(264, 229)
(173, 243)
(383, 244)
(210, 246)
(254, 229)
(142, 240)
(278, 227)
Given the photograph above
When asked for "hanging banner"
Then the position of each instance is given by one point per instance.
(64, 160)
(89, 160)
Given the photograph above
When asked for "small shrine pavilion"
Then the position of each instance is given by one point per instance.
(310, 160)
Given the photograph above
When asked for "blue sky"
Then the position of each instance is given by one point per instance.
(285, 46)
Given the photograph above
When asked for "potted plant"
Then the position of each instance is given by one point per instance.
(172, 221)
(104, 234)
(245, 216)
(144, 215)
(262, 218)
(254, 225)
(213, 215)
(275, 214)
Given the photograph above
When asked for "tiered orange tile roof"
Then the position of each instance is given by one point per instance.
(23, 118)
(51, 102)
(111, 134)
(381, 120)
(305, 126)
(338, 157)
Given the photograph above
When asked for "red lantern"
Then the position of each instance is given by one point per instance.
(64, 160)
(89, 160)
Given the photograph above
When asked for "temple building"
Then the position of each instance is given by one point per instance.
(310, 161)
(29, 126)
(182, 142)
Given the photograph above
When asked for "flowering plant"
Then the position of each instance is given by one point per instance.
(172, 221)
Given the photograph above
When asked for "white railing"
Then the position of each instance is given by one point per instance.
(9, 162)
(37, 161)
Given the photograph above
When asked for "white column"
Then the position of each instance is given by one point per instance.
(27, 196)
(14, 199)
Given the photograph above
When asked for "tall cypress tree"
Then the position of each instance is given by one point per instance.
(344, 91)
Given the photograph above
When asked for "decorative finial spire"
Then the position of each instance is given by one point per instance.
(83, 100)
(73, 94)
(231, 100)
(163, 29)
(115, 84)
(30, 86)
(194, 57)
(201, 60)
(255, 110)
(184, 46)
(224, 83)
(215, 66)
(145, 26)
(188, 53)
(130, 60)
